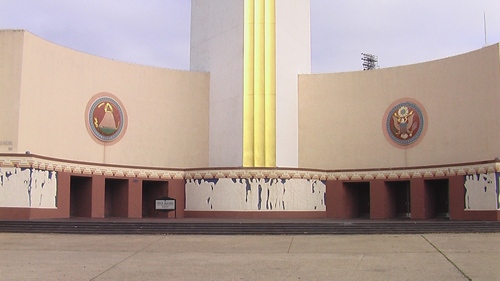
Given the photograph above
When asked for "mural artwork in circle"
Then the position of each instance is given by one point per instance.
(405, 123)
(106, 119)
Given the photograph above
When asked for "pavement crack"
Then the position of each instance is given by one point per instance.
(290, 246)
(446, 257)
(359, 261)
(123, 260)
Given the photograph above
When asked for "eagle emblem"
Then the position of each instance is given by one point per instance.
(404, 123)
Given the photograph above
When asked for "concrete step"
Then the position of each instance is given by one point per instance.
(247, 228)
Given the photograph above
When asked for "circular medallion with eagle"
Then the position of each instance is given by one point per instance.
(404, 123)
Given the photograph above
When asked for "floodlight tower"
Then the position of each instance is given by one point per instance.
(369, 61)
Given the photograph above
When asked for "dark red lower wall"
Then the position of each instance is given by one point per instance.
(341, 204)
(99, 196)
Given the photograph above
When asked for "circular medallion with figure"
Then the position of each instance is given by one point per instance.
(404, 122)
(106, 119)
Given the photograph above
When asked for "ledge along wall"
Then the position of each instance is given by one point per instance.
(33, 186)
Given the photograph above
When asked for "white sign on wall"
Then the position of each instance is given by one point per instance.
(165, 204)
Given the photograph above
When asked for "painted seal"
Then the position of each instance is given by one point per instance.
(106, 119)
(405, 123)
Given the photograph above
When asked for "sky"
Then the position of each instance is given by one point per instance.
(156, 32)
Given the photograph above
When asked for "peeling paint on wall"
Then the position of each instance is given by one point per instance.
(255, 195)
(481, 192)
(27, 187)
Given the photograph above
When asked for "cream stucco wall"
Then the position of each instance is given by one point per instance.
(167, 109)
(47, 88)
(340, 114)
(11, 52)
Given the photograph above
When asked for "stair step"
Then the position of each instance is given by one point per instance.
(248, 228)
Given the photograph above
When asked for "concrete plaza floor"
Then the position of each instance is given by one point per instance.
(258, 257)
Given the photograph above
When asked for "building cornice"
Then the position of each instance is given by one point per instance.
(400, 173)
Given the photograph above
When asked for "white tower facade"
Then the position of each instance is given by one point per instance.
(254, 51)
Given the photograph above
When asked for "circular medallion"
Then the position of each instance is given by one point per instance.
(404, 123)
(106, 119)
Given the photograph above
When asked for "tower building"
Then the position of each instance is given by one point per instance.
(248, 131)
(254, 51)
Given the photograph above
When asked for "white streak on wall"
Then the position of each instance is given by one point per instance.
(481, 192)
(25, 187)
(255, 195)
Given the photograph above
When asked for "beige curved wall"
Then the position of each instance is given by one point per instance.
(167, 109)
(10, 87)
(340, 115)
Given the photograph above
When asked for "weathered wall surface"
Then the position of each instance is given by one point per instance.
(167, 109)
(28, 187)
(482, 191)
(227, 194)
(341, 115)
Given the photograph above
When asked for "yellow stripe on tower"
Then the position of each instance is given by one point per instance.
(259, 86)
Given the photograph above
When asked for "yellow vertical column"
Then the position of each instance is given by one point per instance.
(259, 86)
(270, 84)
(248, 92)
